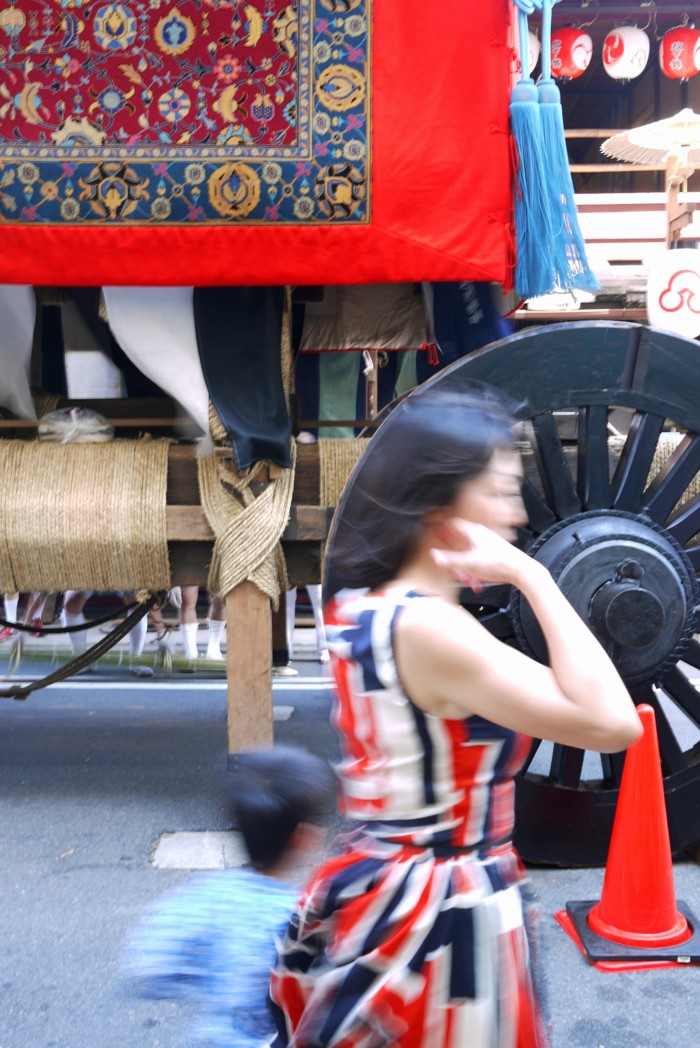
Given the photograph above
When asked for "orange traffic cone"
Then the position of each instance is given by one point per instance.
(637, 923)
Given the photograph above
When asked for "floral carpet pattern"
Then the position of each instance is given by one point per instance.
(159, 112)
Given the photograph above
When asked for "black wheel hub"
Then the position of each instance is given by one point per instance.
(628, 580)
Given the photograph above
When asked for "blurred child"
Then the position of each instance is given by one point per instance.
(213, 940)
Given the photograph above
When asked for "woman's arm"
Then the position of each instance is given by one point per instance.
(451, 665)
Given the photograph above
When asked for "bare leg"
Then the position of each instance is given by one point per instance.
(33, 613)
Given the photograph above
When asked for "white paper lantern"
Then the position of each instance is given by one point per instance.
(625, 52)
(673, 292)
(533, 51)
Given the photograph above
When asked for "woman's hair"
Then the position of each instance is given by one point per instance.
(271, 792)
(429, 446)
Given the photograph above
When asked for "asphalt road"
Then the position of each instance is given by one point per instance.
(94, 772)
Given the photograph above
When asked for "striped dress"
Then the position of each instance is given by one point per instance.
(415, 935)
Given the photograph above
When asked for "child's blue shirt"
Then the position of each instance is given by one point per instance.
(214, 940)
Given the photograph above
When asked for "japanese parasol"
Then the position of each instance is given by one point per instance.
(656, 143)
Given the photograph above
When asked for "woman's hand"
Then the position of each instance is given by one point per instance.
(477, 556)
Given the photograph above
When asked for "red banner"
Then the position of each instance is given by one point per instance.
(210, 142)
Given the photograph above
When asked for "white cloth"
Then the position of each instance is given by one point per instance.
(18, 312)
(155, 328)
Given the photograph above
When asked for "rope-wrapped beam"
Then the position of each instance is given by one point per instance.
(83, 516)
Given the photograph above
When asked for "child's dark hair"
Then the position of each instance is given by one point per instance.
(429, 446)
(273, 791)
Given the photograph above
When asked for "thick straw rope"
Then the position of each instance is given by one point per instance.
(83, 516)
(247, 528)
(337, 457)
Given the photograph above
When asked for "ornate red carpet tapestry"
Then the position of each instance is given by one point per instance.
(227, 141)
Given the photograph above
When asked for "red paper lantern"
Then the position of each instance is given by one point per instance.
(571, 52)
(679, 53)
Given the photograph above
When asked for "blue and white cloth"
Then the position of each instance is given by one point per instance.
(212, 942)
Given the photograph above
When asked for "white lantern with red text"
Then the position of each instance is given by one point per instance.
(571, 52)
(679, 53)
(625, 52)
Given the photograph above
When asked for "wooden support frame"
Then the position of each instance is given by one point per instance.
(190, 539)
(248, 611)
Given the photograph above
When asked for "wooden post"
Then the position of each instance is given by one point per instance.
(249, 669)
(678, 213)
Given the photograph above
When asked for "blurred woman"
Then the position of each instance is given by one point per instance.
(415, 936)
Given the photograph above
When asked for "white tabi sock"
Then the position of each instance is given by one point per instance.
(11, 604)
(216, 635)
(314, 592)
(137, 637)
(291, 619)
(188, 634)
(79, 638)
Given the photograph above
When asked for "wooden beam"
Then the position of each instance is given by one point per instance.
(306, 524)
(249, 669)
(187, 524)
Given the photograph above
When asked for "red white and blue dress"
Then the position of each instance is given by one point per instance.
(415, 936)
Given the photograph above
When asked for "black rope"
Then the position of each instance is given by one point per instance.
(86, 658)
(26, 627)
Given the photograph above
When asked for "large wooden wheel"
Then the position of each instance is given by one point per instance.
(619, 545)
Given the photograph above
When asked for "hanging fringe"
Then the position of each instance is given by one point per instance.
(533, 220)
(568, 247)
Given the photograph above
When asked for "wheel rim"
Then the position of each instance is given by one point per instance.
(585, 517)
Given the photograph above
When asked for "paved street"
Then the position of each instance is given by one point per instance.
(94, 772)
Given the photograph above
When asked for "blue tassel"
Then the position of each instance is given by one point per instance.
(534, 274)
(571, 267)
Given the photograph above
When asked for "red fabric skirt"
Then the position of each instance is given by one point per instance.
(409, 949)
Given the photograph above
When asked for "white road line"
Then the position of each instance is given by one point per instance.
(288, 684)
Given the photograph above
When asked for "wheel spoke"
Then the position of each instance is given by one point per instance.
(684, 523)
(539, 514)
(635, 461)
(567, 765)
(557, 481)
(672, 757)
(673, 479)
(613, 766)
(536, 743)
(684, 693)
(692, 654)
(593, 472)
